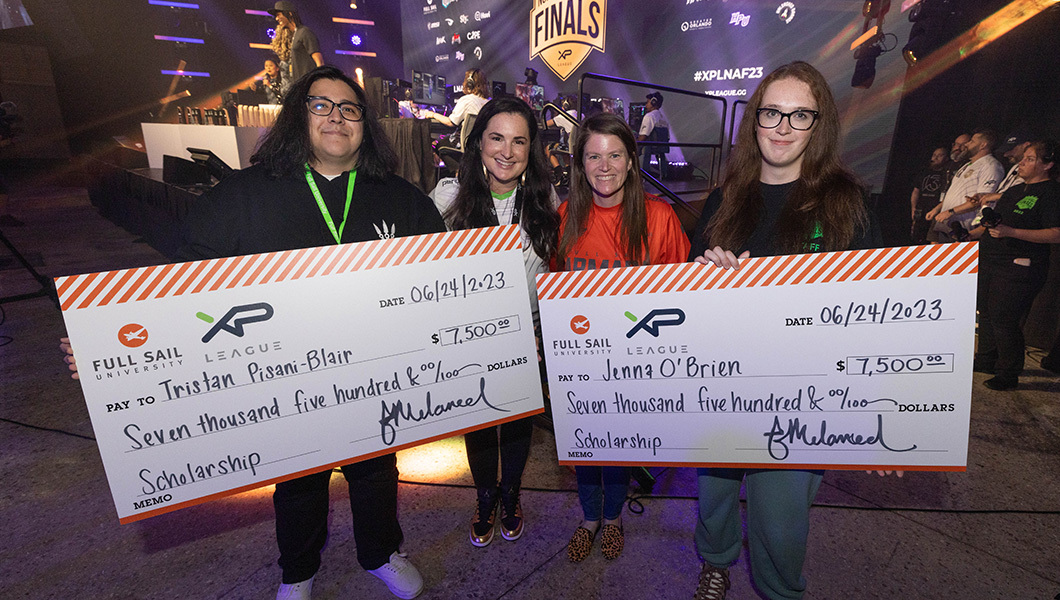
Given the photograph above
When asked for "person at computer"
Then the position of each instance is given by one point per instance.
(654, 128)
(476, 95)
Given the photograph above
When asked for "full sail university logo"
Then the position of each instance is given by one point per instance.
(564, 32)
(132, 335)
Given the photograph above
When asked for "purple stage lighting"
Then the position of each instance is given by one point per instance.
(173, 4)
(169, 38)
(185, 73)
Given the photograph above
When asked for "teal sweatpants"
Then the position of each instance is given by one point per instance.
(778, 522)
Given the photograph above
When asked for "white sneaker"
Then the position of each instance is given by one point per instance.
(295, 591)
(401, 576)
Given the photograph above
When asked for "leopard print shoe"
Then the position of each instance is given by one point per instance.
(581, 543)
(612, 541)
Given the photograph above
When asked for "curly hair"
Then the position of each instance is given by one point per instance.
(287, 147)
(281, 43)
(825, 194)
(473, 203)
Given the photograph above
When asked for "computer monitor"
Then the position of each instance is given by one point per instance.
(428, 88)
(217, 167)
(534, 95)
(251, 97)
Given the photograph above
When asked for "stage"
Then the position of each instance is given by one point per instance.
(991, 532)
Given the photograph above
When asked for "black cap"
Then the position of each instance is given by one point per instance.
(1014, 139)
(282, 6)
(657, 97)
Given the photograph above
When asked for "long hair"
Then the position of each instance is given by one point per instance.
(473, 204)
(633, 231)
(281, 42)
(826, 195)
(475, 83)
(286, 147)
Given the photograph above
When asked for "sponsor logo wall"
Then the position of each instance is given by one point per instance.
(698, 45)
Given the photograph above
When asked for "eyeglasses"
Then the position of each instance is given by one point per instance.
(768, 118)
(322, 107)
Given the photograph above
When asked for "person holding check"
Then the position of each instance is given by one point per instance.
(503, 179)
(609, 221)
(324, 174)
(784, 191)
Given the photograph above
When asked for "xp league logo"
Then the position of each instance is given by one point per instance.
(564, 32)
(236, 318)
(660, 317)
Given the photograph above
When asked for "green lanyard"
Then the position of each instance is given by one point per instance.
(323, 207)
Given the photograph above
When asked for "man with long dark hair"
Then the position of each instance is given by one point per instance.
(323, 174)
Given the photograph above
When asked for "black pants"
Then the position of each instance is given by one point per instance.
(921, 227)
(302, 516)
(1006, 292)
(513, 445)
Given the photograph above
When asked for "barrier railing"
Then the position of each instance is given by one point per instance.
(718, 150)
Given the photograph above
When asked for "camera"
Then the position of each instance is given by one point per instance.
(958, 232)
(991, 218)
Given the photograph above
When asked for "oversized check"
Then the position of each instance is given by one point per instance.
(843, 360)
(209, 378)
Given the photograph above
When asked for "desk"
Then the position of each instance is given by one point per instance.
(411, 139)
(234, 145)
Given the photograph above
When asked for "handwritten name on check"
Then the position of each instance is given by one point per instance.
(205, 379)
(842, 360)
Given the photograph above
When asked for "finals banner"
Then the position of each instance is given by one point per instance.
(842, 360)
(564, 32)
(210, 378)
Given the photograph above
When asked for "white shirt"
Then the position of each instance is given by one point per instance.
(468, 104)
(445, 193)
(565, 123)
(652, 120)
(1013, 178)
(981, 176)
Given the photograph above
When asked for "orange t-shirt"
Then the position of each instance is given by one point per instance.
(601, 247)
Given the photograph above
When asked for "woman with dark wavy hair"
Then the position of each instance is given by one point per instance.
(503, 178)
(608, 222)
(785, 191)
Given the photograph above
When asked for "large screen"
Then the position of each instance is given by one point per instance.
(428, 88)
(715, 46)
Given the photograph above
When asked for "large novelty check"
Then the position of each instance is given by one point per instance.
(209, 378)
(839, 360)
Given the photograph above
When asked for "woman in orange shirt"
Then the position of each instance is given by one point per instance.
(609, 221)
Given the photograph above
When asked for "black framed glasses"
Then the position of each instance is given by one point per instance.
(769, 118)
(322, 107)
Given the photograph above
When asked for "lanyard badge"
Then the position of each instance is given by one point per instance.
(336, 233)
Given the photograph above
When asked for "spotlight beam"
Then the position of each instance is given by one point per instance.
(975, 39)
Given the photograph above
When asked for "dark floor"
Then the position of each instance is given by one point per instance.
(992, 532)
